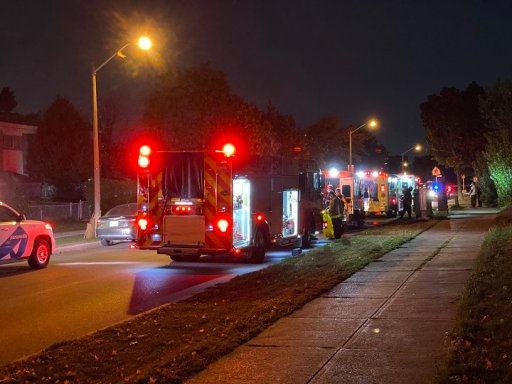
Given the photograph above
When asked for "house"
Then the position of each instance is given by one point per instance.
(14, 139)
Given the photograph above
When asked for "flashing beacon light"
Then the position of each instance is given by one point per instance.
(222, 224)
(228, 150)
(436, 187)
(259, 217)
(143, 224)
(145, 150)
(333, 172)
(360, 174)
(375, 173)
(449, 188)
(383, 188)
(144, 153)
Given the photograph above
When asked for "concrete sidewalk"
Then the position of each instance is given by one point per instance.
(385, 324)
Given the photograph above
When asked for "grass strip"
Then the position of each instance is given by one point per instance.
(175, 341)
(480, 349)
(75, 239)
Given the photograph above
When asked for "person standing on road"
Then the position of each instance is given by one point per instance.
(407, 201)
(473, 194)
(416, 202)
(478, 195)
(343, 200)
(366, 200)
(336, 213)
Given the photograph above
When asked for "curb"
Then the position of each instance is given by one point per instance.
(77, 246)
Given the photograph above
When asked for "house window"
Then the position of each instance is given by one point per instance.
(11, 142)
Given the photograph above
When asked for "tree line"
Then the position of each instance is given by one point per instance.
(195, 108)
(470, 131)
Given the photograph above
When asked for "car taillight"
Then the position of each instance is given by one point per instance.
(223, 225)
(143, 224)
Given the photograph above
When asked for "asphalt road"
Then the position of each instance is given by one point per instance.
(84, 290)
(87, 288)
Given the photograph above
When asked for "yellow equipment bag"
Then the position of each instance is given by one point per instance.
(328, 228)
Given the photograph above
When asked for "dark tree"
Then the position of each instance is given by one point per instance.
(283, 130)
(195, 109)
(328, 144)
(455, 129)
(496, 109)
(7, 100)
(60, 153)
(324, 142)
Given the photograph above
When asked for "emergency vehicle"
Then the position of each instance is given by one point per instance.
(22, 239)
(398, 183)
(193, 203)
(366, 192)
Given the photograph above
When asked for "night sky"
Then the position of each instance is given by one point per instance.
(353, 59)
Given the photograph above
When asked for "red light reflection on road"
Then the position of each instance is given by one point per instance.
(155, 287)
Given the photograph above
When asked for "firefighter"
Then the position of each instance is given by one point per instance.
(343, 205)
(336, 213)
(330, 189)
(407, 201)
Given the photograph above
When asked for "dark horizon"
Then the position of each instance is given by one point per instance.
(311, 59)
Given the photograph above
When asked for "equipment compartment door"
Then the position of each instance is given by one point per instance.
(290, 212)
(241, 212)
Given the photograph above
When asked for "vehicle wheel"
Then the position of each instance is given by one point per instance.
(107, 243)
(257, 252)
(40, 256)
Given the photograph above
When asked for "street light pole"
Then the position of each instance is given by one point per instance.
(96, 154)
(144, 43)
(371, 123)
(416, 147)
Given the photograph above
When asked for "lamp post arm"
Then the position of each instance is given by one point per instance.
(120, 50)
(358, 128)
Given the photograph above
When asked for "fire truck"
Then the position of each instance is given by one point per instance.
(367, 193)
(194, 203)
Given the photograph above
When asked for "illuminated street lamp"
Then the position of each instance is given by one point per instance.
(372, 123)
(144, 43)
(417, 147)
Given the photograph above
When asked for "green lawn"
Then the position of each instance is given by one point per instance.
(481, 343)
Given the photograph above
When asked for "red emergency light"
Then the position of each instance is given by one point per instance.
(259, 217)
(145, 150)
(182, 209)
(144, 153)
(228, 150)
(223, 225)
(143, 223)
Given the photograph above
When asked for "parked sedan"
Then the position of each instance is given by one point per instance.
(118, 224)
(22, 239)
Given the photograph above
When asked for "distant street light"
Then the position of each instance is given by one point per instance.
(372, 123)
(144, 43)
(417, 147)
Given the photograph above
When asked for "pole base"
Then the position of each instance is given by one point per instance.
(90, 231)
